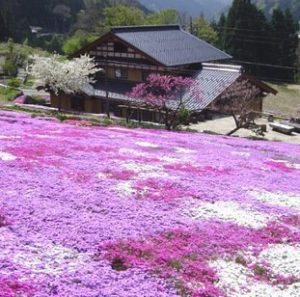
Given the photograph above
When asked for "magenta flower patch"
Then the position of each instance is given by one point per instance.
(183, 256)
(11, 286)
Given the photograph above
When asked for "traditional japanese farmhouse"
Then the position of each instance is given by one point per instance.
(129, 54)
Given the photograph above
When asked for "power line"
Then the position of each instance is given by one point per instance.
(266, 65)
(265, 37)
(244, 29)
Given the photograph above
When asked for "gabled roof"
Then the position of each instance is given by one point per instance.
(169, 45)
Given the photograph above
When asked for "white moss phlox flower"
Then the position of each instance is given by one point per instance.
(277, 199)
(146, 144)
(284, 259)
(236, 281)
(7, 157)
(230, 211)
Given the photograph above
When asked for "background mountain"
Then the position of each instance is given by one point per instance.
(268, 6)
(194, 8)
(213, 8)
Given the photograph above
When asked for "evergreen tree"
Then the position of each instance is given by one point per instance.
(3, 29)
(245, 33)
(285, 39)
(220, 28)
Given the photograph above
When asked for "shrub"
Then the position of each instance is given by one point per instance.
(9, 94)
(10, 68)
(14, 83)
(29, 83)
(35, 100)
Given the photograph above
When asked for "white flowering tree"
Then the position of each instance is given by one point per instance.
(57, 75)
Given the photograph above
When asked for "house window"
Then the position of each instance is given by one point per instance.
(120, 47)
(121, 73)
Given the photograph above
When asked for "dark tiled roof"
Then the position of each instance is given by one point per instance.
(212, 79)
(116, 90)
(169, 45)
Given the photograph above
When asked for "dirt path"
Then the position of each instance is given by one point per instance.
(223, 125)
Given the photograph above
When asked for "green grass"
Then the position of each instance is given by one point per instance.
(286, 102)
(28, 83)
(7, 94)
(21, 49)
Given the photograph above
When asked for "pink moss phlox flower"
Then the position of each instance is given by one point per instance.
(11, 286)
(159, 189)
(21, 99)
(279, 166)
(184, 255)
(119, 174)
(196, 169)
(66, 189)
(292, 220)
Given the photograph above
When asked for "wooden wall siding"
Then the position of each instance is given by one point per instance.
(105, 53)
(92, 105)
(257, 105)
(54, 100)
(135, 75)
(106, 49)
(63, 100)
(88, 105)
(132, 66)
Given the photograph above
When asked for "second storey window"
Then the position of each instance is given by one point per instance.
(120, 47)
(121, 73)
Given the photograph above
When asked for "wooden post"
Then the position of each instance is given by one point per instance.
(106, 90)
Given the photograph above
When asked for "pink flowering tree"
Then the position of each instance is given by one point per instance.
(169, 95)
(239, 101)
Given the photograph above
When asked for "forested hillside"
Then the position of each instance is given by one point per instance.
(53, 15)
(265, 47)
(194, 8)
(269, 5)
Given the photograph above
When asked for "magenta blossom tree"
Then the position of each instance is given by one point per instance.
(169, 95)
(239, 101)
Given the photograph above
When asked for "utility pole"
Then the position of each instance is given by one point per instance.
(191, 25)
(106, 88)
